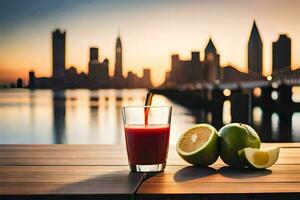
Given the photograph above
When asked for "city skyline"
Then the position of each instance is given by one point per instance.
(64, 77)
(146, 45)
(188, 71)
(183, 71)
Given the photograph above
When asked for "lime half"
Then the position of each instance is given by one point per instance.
(257, 158)
(199, 145)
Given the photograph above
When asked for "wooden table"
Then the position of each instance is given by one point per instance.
(101, 172)
(66, 172)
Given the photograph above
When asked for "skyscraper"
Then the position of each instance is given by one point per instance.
(255, 53)
(58, 54)
(210, 48)
(118, 63)
(281, 55)
(93, 54)
(212, 63)
(32, 80)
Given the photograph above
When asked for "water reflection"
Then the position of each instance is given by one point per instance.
(59, 113)
(94, 117)
(94, 107)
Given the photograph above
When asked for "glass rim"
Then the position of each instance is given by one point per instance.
(143, 106)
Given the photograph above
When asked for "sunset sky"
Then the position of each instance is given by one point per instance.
(150, 31)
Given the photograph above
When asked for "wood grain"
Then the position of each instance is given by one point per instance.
(68, 180)
(101, 171)
(219, 179)
(50, 155)
(66, 172)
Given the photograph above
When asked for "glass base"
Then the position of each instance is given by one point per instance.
(148, 168)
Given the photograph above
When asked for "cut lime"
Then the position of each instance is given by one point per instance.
(257, 158)
(199, 145)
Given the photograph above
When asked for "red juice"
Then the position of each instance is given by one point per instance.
(147, 144)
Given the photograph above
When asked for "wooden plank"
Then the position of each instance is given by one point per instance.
(94, 171)
(218, 188)
(25, 181)
(220, 181)
(225, 174)
(177, 180)
(222, 191)
(283, 145)
(17, 155)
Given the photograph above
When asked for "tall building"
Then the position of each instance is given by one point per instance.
(118, 62)
(146, 79)
(32, 80)
(255, 53)
(104, 72)
(98, 72)
(93, 64)
(58, 54)
(281, 55)
(93, 54)
(210, 48)
(212, 63)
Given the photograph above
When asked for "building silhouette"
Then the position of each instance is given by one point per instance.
(186, 71)
(133, 81)
(119, 60)
(98, 72)
(19, 83)
(230, 74)
(73, 79)
(32, 80)
(281, 54)
(195, 70)
(191, 71)
(146, 79)
(58, 54)
(94, 54)
(255, 54)
(212, 63)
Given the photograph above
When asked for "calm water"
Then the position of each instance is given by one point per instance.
(75, 116)
(93, 117)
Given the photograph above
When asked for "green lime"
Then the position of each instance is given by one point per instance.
(199, 145)
(257, 158)
(234, 137)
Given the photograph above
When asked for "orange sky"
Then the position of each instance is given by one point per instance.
(150, 33)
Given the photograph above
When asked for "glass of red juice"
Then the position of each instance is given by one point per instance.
(147, 132)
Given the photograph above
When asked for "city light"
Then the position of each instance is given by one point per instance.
(269, 78)
(227, 92)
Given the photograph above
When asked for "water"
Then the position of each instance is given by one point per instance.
(75, 116)
(93, 117)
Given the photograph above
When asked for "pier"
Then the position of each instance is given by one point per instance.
(207, 100)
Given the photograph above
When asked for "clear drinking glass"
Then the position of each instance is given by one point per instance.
(147, 132)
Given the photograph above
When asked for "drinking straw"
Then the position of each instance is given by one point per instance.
(148, 103)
